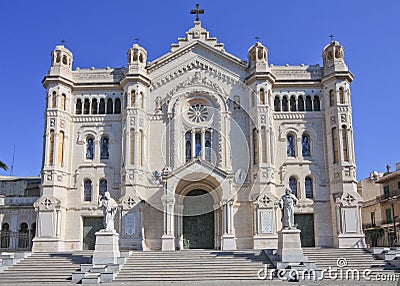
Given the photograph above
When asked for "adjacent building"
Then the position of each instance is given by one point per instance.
(17, 214)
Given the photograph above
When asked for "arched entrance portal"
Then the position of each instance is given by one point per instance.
(198, 220)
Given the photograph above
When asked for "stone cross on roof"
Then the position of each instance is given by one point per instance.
(197, 11)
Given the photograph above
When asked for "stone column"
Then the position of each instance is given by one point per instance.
(168, 238)
(203, 145)
(193, 143)
(228, 236)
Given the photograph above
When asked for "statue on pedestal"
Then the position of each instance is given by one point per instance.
(109, 206)
(287, 203)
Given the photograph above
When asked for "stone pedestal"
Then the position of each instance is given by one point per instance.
(228, 242)
(167, 242)
(289, 246)
(107, 248)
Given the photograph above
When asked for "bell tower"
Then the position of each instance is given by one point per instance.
(345, 201)
(261, 144)
(134, 169)
(56, 165)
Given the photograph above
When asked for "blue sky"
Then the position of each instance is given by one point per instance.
(100, 32)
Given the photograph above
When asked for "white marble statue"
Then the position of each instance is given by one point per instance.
(109, 206)
(287, 203)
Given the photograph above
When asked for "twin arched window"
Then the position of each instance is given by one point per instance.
(104, 148)
(88, 189)
(308, 185)
(291, 145)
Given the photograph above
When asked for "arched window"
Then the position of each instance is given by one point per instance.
(78, 106)
(309, 188)
(207, 146)
(125, 100)
(263, 145)
(293, 185)
(290, 150)
(132, 147)
(317, 104)
(285, 104)
(277, 104)
(262, 96)
(331, 98)
(89, 148)
(86, 106)
(117, 109)
(104, 152)
(300, 101)
(54, 100)
(94, 106)
(197, 140)
(141, 100)
(61, 149)
(133, 98)
(63, 99)
(292, 103)
(51, 151)
(23, 236)
(109, 106)
(102, 106)
(140, 145)
(345, 144)
(305, 144)
(87, 190)
(335, 145)
(341, 95)
(255, 146)
(5, 235)
(308, 103)
(188, 146)
(102, 187)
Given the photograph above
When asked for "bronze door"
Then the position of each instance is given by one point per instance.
(91, 225)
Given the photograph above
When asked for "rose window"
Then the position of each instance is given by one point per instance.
(198, 113)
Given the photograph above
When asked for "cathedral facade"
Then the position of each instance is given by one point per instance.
(197, 148)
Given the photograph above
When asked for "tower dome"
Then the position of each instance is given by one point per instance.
(137, 58)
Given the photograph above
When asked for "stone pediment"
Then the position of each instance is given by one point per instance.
(197, 37)
(199, 165)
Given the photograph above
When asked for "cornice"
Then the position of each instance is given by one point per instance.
(298, 115)
(96, 118)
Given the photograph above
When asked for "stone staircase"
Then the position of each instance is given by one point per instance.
(193, 265)
(355, 258)
(41, 268)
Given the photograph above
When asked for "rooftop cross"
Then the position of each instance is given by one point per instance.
(62, 42)
(197, 11)
(257, 38)
(332, 37)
